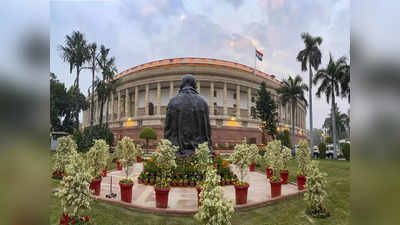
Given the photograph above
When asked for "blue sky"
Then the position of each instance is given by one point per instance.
(142, 31)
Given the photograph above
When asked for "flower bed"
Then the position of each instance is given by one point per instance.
(186, 174)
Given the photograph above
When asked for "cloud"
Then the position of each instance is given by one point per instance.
(235, 3)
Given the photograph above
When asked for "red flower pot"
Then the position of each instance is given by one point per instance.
(301, 181)
(284, 176)
(252, 167)
(119, 166)
(126, 191)
(241, 194)
(95, 185)
(269, 172)
(276, 188)
(161, 197)
(105, 172)
(198, 196)
(138, 159)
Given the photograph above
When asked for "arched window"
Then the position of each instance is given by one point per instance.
(151, 108)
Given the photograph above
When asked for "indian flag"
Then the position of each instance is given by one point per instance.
(259, 55)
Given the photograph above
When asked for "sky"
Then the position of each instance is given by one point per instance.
(141, 31)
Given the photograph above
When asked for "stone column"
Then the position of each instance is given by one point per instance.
(112, 107)
(158, 98)
(146, 100)
(136, 100)
(211, 98)
(249, 102)
(127, 104)
(237, 101)
(119, 106)
(198, 86)
(225, 99)
(171, 89)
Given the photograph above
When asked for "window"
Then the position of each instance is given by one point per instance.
(253, 112)
(234, 105)
(253, 99)
(215, 93)
(234, 95)
(215, 104)
(151, 109)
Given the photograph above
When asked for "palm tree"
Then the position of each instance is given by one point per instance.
(75, 52)
(345, 85)
(311, 54)
(93, 55)
(107, 85)
(330, 79)
(291, 93)
(342, 124)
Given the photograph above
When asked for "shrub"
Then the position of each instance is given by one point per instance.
(126, 152)
(242, 156)
(329, 139)
(148, 133)
(164, 158)
(86, 139)
(214, 209)
(97, 157)
(74, 191)
(322, 150)
(66, 147)
(277, 156)
(302, 157)
(203, 158)
(315, 195)
(346, 151)
(284, 137)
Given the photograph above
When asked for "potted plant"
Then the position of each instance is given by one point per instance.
(202, 156)
(139, 153)
(266, 161)
(119, 166)
(303, 158)
(96, 158)
(215, 209)
(74, 193)
(254, 156)
(286, 155)
(315, 195)
(242, 158)
(66, 147)
(273, 152)
(126, 152)
(104, 172)
(164, 158)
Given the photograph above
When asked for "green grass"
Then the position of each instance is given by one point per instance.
(288, 212)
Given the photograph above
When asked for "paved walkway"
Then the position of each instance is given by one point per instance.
(184, 199)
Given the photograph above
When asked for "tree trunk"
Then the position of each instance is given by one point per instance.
(92, 105)
(310, 103)
(101, 111)
(108, 106)
(334, 123)
(263, 135)
(77, 111)
(293, 128)
(147, 143)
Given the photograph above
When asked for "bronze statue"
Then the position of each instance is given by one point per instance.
(187, 123)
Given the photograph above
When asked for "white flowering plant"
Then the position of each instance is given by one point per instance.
(242, 157)
(126, 152)
(203, 158)
(66, 146)
(274, 158)
(303, 157)
(164, 158)
(214, 209)
(286, 156)
(315, 195)
(74, 190)
(97, 157)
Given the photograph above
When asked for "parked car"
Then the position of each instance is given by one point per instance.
(315, 152)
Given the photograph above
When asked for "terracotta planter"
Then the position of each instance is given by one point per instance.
(161, 197)
(276, 188)
(284, 176)
(119, 166)
(198, 196)
(269, 172)
(126, 191)
(105, 172)
(252, 167)
(138, 159)
(241, 194)
(95, 185)
(301, 181)
(145, 182)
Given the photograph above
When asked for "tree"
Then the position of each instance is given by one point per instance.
(284, 137)
(311, 54)
(330, 78)
(316, 195)
(317, 136)
(58, 103)
(345, 85)
(291, 93)
(77, 103)
(266, 111)
(97, 157)
(75, 52)
(92, 53)
(148, 133)
(126, 151)
(342, 124)
(106, 85)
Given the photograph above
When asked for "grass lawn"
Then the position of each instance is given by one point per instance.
(288, 212)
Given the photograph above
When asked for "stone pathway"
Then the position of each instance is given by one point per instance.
(185, 198)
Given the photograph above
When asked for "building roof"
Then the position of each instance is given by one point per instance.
(199, 62)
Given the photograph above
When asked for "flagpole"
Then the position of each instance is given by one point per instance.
(255, 62)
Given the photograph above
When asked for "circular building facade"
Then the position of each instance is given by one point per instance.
(230, 89)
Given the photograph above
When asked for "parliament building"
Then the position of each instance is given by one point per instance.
(230, 89)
